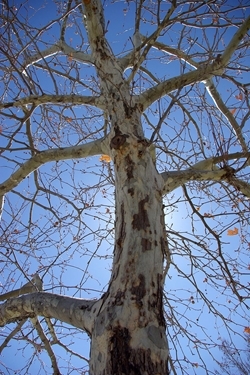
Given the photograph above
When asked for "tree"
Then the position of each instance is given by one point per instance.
(232, 358)
(166, 112)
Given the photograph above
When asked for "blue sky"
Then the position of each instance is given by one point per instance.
(60, 240)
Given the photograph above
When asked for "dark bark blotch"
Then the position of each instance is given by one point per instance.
(129, 167)
(126, 360)
(122, 232)
(139, 290)
(156, 304)
(146, 244)
(140, 220)
(131, 191)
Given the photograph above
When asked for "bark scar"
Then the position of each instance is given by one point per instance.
(140, 220)
(146, 244)
(139, 290)
(122, 233)
(129, 167)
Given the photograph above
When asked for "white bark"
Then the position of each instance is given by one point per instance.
(35, 284)
(55, 99)
(129, 334)
(174, 179)
(59, 47)
(129, 331)
(206, 170)
(77, 312)
(1, 205)
(75, 152)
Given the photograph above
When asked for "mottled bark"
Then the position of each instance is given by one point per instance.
(129, 331)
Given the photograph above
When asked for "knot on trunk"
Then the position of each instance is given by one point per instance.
(118, 140)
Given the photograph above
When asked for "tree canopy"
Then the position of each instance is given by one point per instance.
(88, 90)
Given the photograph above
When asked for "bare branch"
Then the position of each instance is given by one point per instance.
(203, 72)
(47, 345)
(74, 311)
(54, 99)
(174, 179)
(59, 47)
(12, 334)
(207, 170)
(1, 205)
(150, 41)
(226, 112)
(75, 152)
(35, 284)
(234, 43)
(151, 95)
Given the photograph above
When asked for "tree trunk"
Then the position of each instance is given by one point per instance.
(129, 331)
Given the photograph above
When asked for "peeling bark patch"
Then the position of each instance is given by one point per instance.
(120, 351)
(139, 290)
(119, 297)
(140, 220)
(156, 336)
(82, 307)
(146, 244)
(128, 109)
(144, 142)
(122, 232)
(100, 45)
(162, 220)
(129, 167)
(131, 191)
(163, 245)
(127, 361)
(156, 304)
(140, 107)
(100, 323)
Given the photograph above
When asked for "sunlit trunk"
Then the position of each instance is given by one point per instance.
(129, 332)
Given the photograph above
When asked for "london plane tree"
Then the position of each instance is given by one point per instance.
(142, 106)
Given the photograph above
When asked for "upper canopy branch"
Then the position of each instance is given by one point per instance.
(107, 67)
(149, 41)
(210, 87)
(226, 112)
(203, 72)
(31, 286)
(60, 46)
(95, 22)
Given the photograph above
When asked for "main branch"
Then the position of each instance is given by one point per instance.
(77, 312)
(55, 99)
(206, 170)
(75, 152)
